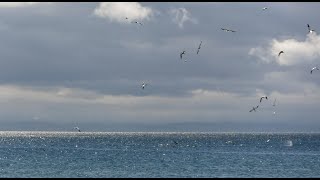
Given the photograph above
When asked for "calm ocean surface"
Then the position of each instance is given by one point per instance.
(159, 155)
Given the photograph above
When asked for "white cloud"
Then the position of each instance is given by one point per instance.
(19, 4)
(295, 51)
(118, 11)
(181, 15)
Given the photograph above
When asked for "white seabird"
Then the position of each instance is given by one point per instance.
(254, 109)
(77, 128)
(263, 97)
(314, 68)
(143, 85)
(137, 22)
(310, 30)
(228, 30)
(183, 52)
(280, 53)
(199, 47)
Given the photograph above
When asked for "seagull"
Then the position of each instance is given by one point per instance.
(263, 97)
(228, 30)
(143, 85)
(274, 102)
(310, 30)
(137, 22)
(254, 109)
(314, 69)
(199, 47)
(183, 52)
(280, 53)
(265, 8)
(77, 128)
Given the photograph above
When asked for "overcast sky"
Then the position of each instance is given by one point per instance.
(82, 64)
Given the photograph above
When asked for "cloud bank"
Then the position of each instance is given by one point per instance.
(295, 52)
(118, 11)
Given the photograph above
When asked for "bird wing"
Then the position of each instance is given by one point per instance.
(181, 55)
(251, 110)
(261, 99)
(309, 27)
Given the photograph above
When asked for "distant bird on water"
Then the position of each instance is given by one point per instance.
(263, 97)
(265, 8)
(227, 30)
(77, 128)
(310, 30)
(280, 53)
(199, 47)
(314, 68)
(254, 109)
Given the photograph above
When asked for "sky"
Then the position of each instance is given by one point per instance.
(66, 64)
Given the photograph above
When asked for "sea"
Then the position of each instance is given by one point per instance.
(37, 154)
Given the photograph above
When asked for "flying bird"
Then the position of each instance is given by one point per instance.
(143, 85)
(314, 69)
(137, 22)
(199, 47)
(280, 53)
(265, 8)
(263, 97)
(77, 128)
(227, 30)
(183, 52)
(310, 30)
(254, 109)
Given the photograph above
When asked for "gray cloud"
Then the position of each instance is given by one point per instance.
(61, 65)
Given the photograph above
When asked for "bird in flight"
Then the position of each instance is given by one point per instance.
(227, 30)
(280, 53)
(314, 68)
(77, 128)
(182, 53)
(263, 97)
(143, 85)
(274, 102)
(310, 30)
(137, 22)
(199, 47)
(254, 109)
(265, 8)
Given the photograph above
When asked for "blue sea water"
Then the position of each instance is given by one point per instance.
(158, 155)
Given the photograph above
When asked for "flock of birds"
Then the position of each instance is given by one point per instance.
(281, 52)
(143, 85)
